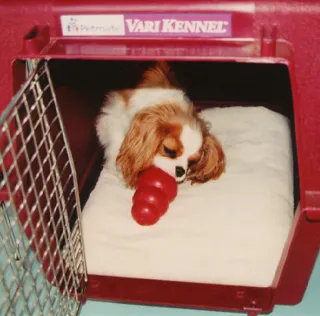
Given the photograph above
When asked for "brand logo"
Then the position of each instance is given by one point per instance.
(144, 25)
(75, 27)
(214, 25)
(92, 25)
(72, 25)
(177, 26)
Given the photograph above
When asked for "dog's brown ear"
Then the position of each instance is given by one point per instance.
(140, 145)
(211, 163)
(160, 76)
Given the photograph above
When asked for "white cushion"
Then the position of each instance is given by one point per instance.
(231, 231)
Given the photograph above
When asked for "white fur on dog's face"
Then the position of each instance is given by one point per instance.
(191, 140)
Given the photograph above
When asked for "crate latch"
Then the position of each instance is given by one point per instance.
(253, 311)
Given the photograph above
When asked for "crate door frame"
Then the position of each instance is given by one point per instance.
(39, 184)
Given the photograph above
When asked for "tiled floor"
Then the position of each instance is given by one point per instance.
(310, 306)
(24, 288)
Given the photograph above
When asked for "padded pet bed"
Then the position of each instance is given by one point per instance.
(230, 231)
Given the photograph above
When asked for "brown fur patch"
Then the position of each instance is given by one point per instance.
(172, 142)
(125, 95)
(159, 76)
(211, 163)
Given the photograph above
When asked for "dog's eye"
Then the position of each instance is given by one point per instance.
(170, 152)
(191, 163)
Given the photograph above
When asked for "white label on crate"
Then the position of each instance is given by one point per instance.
(92, 25)
(148, 25)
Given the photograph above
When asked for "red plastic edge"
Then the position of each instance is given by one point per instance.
(180, 294)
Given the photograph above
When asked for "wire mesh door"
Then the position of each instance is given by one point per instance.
(42, 266)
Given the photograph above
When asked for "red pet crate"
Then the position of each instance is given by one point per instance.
(90, 47)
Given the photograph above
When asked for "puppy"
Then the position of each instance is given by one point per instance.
(155, 124)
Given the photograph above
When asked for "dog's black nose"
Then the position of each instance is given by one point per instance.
(180, 172)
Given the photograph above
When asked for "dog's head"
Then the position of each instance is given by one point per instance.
(171, 137)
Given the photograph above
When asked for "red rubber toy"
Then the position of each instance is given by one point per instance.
(155, 189)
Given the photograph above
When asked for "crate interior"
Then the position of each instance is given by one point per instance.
(81, 86)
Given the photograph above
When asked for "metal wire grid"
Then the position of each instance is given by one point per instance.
(42, 266)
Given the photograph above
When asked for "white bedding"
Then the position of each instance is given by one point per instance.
(230, 231)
